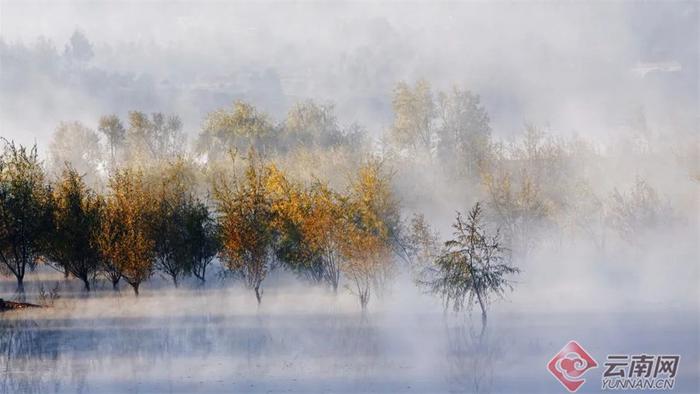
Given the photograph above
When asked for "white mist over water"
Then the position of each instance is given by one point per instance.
(304, 339)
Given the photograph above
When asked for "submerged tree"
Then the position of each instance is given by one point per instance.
(111, 231)
(323, 228)
(183, 230)
(167, 222)
(126, 243)
(310, 224)
(290, 206)
(202, 241)
(246, 218)
(472, 266)
(73, 244)
(372, 218)
(26, 206)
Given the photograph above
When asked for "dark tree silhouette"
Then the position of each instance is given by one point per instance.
(73, 244)
(472, 266)
(25, 210)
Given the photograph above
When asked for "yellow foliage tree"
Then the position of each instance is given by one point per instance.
(372, 217)
(127, 248)
(414, 110)
(246, 222)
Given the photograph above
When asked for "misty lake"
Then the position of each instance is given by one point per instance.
(295, 190)
(304, 340)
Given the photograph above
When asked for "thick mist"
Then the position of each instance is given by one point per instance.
(585, 68)
(592, 178)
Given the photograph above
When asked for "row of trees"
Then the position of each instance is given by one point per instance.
(451, 126)
(155, 206)
(534, 182)
(152, 220)
(320, 234)
(530, 185)
(143, 137)
(139, 226)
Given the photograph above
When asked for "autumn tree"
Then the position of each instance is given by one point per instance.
(26, 206)
(309, 123)
(323, 229)
(519, 208)
(372, 219)
(168, 234)
(545, 161)
(290, 204)
(73, 244)
(310, 223)
(241, 128)
(172, 195)
(157, 137)
(111, 233)
(471, 267)
(245, 219)
(414, 111)
(183, 229)
(186, 234)
(126, 242)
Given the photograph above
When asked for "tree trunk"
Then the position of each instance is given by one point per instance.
(364, 300)
(175, 282)
(483, 311)
(202, 277)
(136, 288)
(86, 281)
(258, 294)
(115, 284)
(20, 284)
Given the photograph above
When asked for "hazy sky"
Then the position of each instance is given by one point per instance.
(589, 68)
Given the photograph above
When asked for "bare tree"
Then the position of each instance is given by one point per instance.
(472, 266)
(637, 210)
